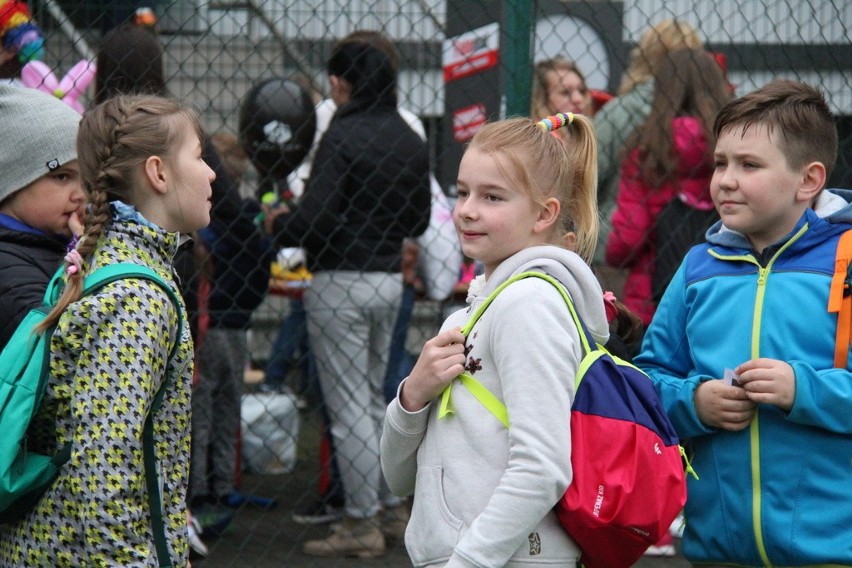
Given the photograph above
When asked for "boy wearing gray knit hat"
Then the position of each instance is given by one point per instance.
(41, 197)
(40, 135)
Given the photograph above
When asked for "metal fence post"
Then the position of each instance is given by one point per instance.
(516, 53)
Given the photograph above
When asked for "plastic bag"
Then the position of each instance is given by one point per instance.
(270, 432)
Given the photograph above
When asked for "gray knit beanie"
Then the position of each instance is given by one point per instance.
(39, 134)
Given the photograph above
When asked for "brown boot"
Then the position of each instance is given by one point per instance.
(394, 523)
(352, 537)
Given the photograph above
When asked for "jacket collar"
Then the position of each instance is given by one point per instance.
(831, 213)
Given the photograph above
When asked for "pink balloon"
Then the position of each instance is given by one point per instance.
(37, 75)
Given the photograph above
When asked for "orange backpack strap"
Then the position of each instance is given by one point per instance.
(840, 299)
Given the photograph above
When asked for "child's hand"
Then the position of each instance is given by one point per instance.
(768, 381)
(441, 360)
(75, 225)
(723, 406)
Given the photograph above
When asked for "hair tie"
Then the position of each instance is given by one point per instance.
(75, 262)
(72, 244)
(555, 122)
(609, 306)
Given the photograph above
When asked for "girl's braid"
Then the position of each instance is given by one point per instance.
(107, 177)
(105, 180)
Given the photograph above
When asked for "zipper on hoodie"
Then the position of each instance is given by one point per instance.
(763, 273)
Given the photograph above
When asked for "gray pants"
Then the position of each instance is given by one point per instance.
(216, 403)
(351, 316)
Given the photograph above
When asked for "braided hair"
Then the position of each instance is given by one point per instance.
(114, 141)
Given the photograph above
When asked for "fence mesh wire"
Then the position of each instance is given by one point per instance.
(460, 63)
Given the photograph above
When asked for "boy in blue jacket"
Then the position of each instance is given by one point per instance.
(772, 447)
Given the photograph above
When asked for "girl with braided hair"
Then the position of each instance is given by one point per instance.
(141, 166)
(484, 493)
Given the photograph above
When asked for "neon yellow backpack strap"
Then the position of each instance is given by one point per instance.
(485, 397)
(477, 389)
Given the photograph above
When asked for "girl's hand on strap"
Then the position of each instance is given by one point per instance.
(441, 361)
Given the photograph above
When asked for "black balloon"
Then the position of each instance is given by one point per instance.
(277, 126)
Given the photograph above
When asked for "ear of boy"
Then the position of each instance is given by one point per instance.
(813, 180)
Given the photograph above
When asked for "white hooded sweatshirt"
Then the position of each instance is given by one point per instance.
(484, 494)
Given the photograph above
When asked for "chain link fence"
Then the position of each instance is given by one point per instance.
(460, 63)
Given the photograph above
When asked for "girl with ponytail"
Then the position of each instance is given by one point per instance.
(484, 492)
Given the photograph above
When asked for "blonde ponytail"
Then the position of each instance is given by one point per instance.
(549, 166)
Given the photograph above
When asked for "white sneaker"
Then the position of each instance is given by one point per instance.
(196, 545)
(676, 529)
(663, 548)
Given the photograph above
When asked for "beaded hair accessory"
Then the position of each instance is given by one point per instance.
(555, 122)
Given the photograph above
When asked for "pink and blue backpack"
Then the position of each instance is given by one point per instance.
(628, 473)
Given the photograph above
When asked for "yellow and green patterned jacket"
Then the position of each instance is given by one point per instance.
(109, 358)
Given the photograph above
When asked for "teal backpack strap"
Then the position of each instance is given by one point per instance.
(152, 475)
(123, 270)
(54, 287)
(97, 279)
(477, 389)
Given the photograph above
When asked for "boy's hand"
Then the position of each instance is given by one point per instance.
(768, 381)
(723, 406)
(441, 361)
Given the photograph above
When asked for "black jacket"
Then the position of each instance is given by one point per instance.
(368, 190)
(27, 263)
(226, 206)
(241, 255)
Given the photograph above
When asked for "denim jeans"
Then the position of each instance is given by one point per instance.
(400, 361)
(292, 338)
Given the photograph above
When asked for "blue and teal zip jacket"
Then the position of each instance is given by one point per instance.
(778, 493)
